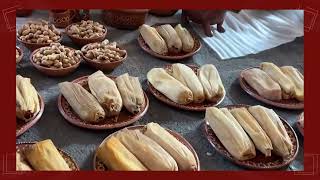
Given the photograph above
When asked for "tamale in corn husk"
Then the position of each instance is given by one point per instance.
(297, 78)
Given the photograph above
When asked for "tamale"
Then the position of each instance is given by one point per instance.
(169, 86)
(280, 143)
(117, 157)
(131, 92)
(106, 92)
(230, 134)
(187, 77)
(21, 164)
(211, 82)
(253, 129)
(278, 76)
(27, 100)
(263, 84)
(82, 102)
(294, 75)
(44, 156)
(151, 154)
(182, 155)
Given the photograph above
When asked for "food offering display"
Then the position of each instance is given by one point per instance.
(251, 136)
(168, 41)
(187, 87)
(142, 148)
(278, 86)
(101, 102)
(29, 105)
(43, 156)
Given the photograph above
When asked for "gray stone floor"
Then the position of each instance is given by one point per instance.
(81, 143)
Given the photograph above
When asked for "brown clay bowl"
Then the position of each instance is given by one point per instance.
(260, 162)
(21, 147)
(23, 126)
(189, 107)
(170, 56)
(99, 166)
(125, 118)
(125, 18)
(20, 53)
(104, 66)
(52, 71)
(84, 41)
(60, 18)
(163, 12)
(34, 46)
(284, 103)
(300, 123)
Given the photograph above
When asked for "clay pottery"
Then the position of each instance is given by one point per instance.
(125, 18)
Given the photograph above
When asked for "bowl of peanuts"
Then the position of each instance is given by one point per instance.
(38, 33)
(19, 54)
(56, 59)
(85, 32)
(103, 55)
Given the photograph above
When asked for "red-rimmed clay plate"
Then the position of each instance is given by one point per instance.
(191, 106)
(170, 56)
(300, 123)
(260, 161)
(23, 126)
(285, 103)
(21, 147)
(99, 166)
(125, 118)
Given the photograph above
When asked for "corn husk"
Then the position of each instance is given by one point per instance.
(27, 100)
(151, 154)
(44, 156)
(182, 155)
(253, 129)
(211, 82)
(106, 92)
(117, 157)
(131, 93)
(186, 38)
(187, 77)
(263, 84)
(281, 142)
(297, 78)
(230, 133)
(171, 38)
(153, 39)
(169, 86)
(21, 164)
(82, 102)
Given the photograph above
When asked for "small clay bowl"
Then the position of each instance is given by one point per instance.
(104, 66)
(60, 18)
(189, 107)
(20, 55)
(125, 118)
(34, 46)
(84, 41)
(21, 147)
(23, 126)
(284, 103)
(99, 166)
(171, 56)
(260, 162)
(52, 71)
(300, 123)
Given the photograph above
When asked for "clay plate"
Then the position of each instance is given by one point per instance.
(299, 123)
(20, 147)
(191, 106)
(23, 126)
(99, 166)
(260, 161)
(171, 56)
(285, 103)
(125, 118)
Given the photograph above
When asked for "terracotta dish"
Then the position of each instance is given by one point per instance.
(190, 107)
(61, 18)
(23, 126)
(285, 103)
(260, 161)
(125, 118)
(34, 46)
(125, 18)
(99, 166)
(20, 147)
